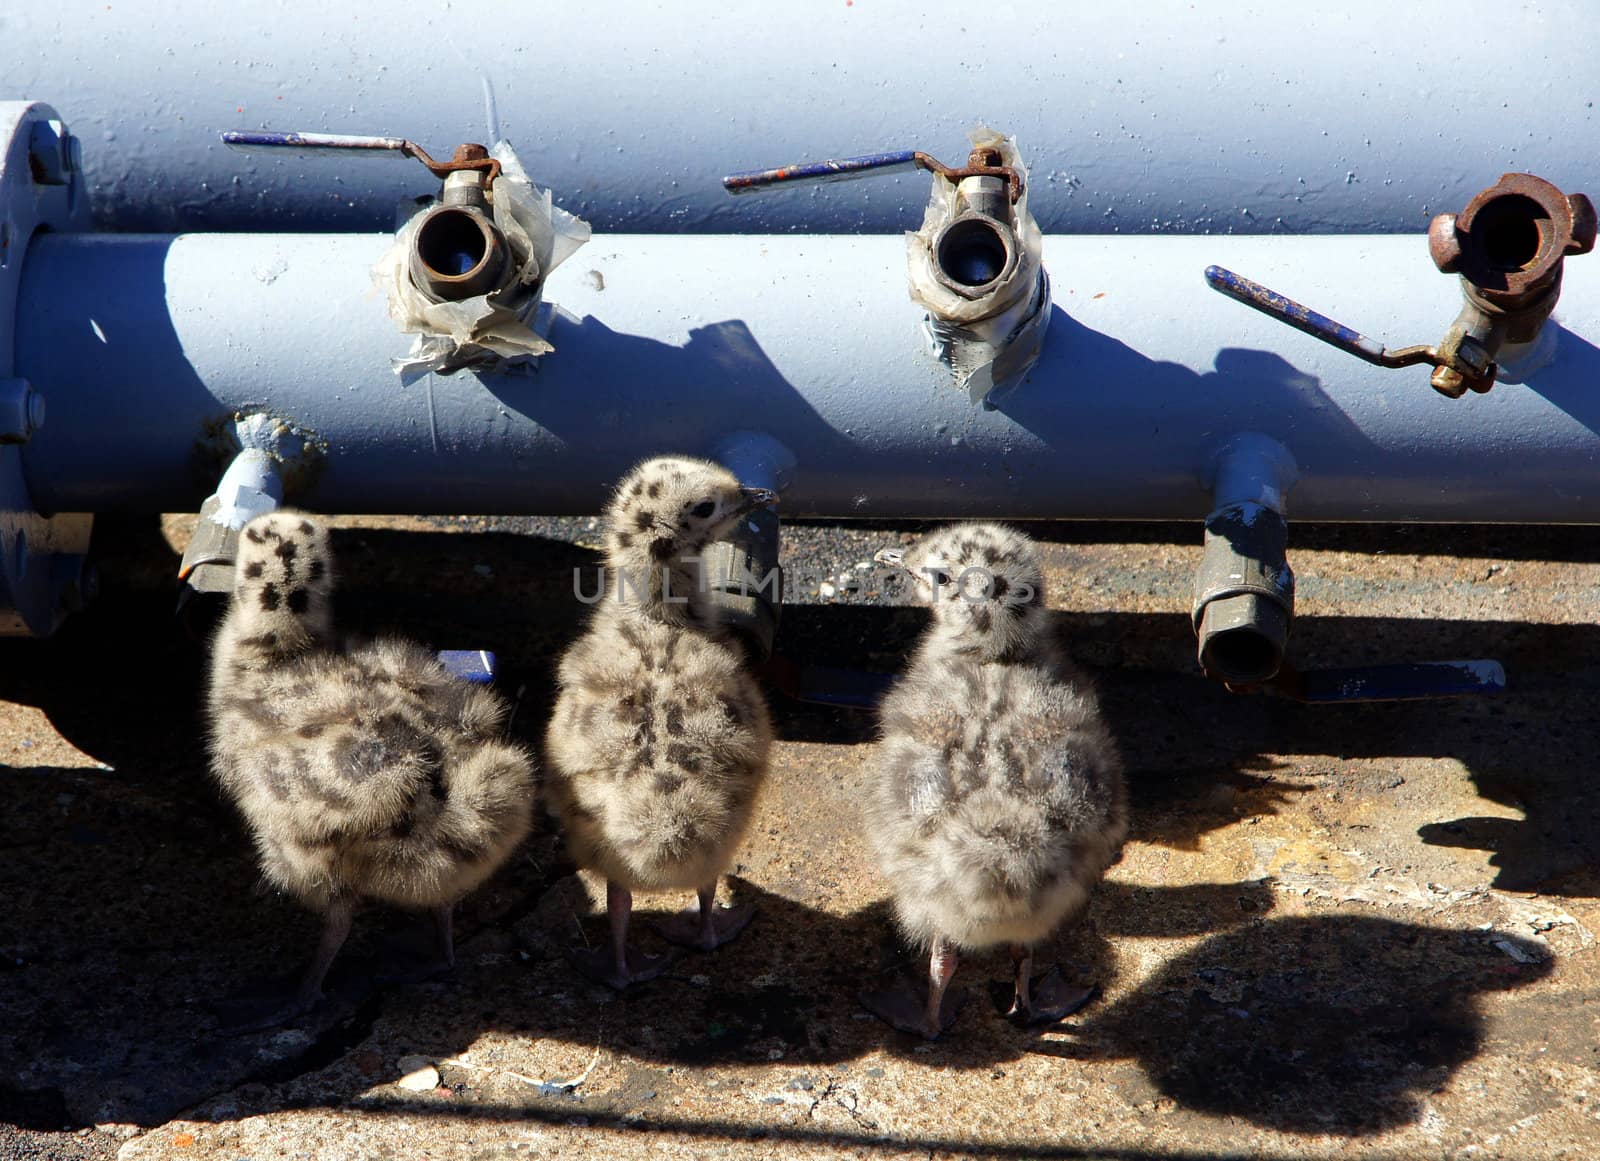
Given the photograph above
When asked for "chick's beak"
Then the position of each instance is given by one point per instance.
(893, 557)
(754, 498)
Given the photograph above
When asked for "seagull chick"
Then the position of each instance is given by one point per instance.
(997, 801)
(659, 740)
(364, 771)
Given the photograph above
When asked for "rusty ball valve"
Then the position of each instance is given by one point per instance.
(1508, 245)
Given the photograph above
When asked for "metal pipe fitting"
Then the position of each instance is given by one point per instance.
(1244, 587)
(976, 250)
(976, 268)
(457, 251)
(1244, 594)
(741, 571)
(1509, 246)
(21, 411)
(251, 487)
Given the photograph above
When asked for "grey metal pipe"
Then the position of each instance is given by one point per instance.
(1159, 116)
(147, 348)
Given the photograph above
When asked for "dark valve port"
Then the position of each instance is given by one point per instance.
(1511, 232)
(452, 243)
(1244, 594)
(457, 254)
(1508, 245)
(1242, 640)
(972, 252)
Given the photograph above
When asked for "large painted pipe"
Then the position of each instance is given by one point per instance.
(146, 347)
(1157, 116)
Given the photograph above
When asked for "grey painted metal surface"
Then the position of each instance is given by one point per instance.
(147, 347)
(1161, 115)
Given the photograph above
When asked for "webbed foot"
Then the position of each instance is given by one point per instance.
(1050, 1000)
(903, 1009)
(705, 930)
(243, 1015)
(600, 965)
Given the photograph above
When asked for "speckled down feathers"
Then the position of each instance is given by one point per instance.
(363, 770)
(996, 799)
(659, 740)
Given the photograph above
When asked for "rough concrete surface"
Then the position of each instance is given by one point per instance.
(1337, 931)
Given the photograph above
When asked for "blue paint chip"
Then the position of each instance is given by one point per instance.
(474, 665)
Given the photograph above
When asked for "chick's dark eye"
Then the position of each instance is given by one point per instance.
(703, 510)
(941, 578)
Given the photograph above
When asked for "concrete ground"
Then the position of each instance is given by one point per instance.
(1337, 931)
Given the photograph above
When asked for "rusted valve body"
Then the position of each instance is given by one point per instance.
(1508, 245)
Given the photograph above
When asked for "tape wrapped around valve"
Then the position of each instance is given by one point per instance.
(981, 280)
(493, 330)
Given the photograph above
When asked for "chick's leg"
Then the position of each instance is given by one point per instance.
(902, 1007)
(619, 965)
(1022, 966)
(942, 961)
(335, 930)
(444, 934)
(710, 926)
(257, 1015)
(406, 963)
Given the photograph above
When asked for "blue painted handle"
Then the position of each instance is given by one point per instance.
(1290, 312)
(840, 169)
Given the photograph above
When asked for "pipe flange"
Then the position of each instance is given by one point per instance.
(41, 189)
(1509, 243)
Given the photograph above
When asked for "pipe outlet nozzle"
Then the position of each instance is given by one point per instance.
(1244, 594)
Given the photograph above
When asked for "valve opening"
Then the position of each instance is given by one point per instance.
(1241, 656)
(1512, 231)
(972, 252)
(452, 243)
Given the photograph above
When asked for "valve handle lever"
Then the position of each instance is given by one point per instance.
(805, 173)
(982, 163)
(1318, 326)
(466, 156)
(250, 140)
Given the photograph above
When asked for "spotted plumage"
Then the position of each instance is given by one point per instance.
(658, 743)
(364, 771)
(996, 799)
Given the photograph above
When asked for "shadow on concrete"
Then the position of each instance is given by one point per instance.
(1329, 1024)
(1542, 542)
(1576, 543)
